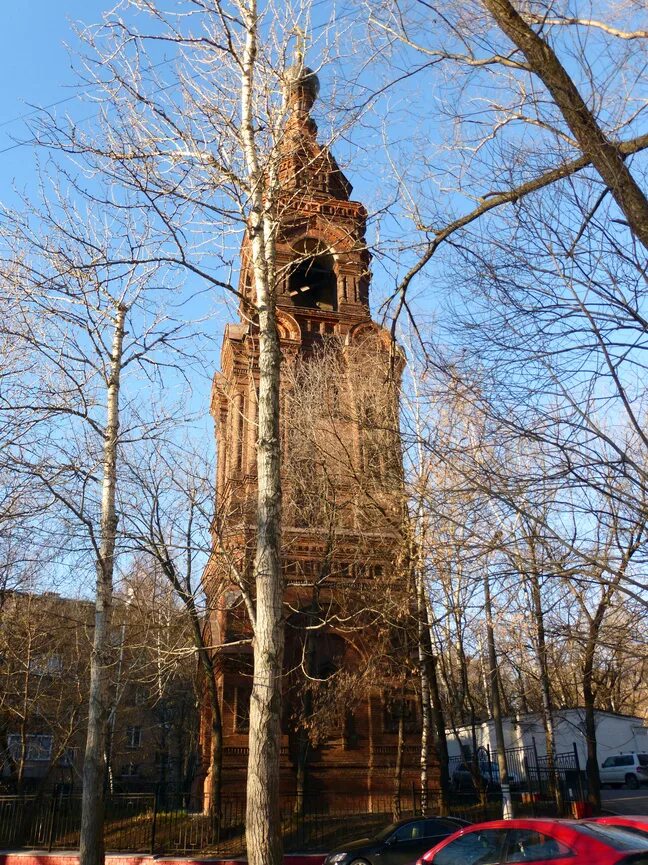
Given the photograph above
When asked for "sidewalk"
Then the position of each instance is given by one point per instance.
(71, 857)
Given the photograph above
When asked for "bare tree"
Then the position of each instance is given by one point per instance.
(43, 705)
(201, 152)
(543, 346)
(171, 526)
(91, 298)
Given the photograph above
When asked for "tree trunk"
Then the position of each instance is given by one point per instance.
(603, 154)
(507, 803)
(213, 791)
(441, 738)
(591, 766)
(214, 785)
(438, 718)
(398, 767)
(92, 800)
(545, 686)
(303, 738)
(264, 843)
(263, 829)
(426, 724)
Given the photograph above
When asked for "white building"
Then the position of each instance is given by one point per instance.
(615, 734)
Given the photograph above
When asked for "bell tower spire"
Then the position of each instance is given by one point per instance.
(330, 557)
(322, 262)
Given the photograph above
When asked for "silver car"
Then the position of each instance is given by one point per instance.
(630, 769)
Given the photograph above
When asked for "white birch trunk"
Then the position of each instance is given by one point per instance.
(263, 830)
(92, 802)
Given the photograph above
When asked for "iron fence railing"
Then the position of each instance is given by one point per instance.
(532, 774)
(167, 823)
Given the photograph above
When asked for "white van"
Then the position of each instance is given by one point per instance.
(630, 769)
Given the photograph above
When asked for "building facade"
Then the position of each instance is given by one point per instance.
(45, 647)
(615, 734)
(351, 717)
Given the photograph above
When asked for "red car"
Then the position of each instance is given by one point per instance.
(545, 842)
(631, 823)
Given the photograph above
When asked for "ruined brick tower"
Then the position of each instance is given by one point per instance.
(351, 714)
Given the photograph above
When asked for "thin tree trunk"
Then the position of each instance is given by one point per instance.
(92, 799)
(263, 829)
(545, 686)
(263, 835)
(507, 803)
(473, 765)
(441, 738)
(215, 784)
(20, 767)
(303, 739)
(213, 791)
(438, 718)
(591, 767)
(603, 154)
(112, 716)
(426, 720)
(398, 767)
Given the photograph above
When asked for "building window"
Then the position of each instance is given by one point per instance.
(242, 710)
(313, 283)
(68, 757)
(240, 431)
(47, 665)
(133, 737)
(38, 748)
(393, 707)
(130, 770)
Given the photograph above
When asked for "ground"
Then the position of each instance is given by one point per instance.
(625, 801)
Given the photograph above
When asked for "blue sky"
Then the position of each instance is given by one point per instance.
(35, 69)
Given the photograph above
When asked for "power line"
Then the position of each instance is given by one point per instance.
(37, 110)
(65, 99)
(43, 108)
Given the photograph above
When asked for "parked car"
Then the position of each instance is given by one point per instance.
(462, 778)
(630, 769)
(631, 823)
(544, 842)
(399, 843)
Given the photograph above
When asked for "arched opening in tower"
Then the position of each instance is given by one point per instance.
(313, 283)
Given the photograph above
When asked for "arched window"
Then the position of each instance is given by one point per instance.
(313, 282)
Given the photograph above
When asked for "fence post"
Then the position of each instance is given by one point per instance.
(537, 765)
(527, 772)
(154, 821)
(578, 769)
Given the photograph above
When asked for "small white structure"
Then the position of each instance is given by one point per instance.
(615, 734)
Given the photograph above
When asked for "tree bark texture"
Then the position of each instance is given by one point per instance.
(264, 844)
(263, 829)
(545, 685)
(426, 721)
(92, 799)
(441, 738)
(589, 698)
(398, 767)
(432, 707)
(214, 778)
(604, 155)
(507, 803)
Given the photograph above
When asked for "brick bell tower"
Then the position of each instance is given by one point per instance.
(351, 717)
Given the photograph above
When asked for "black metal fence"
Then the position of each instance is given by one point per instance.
(167, 824)
(533, 776)
(143, 823)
